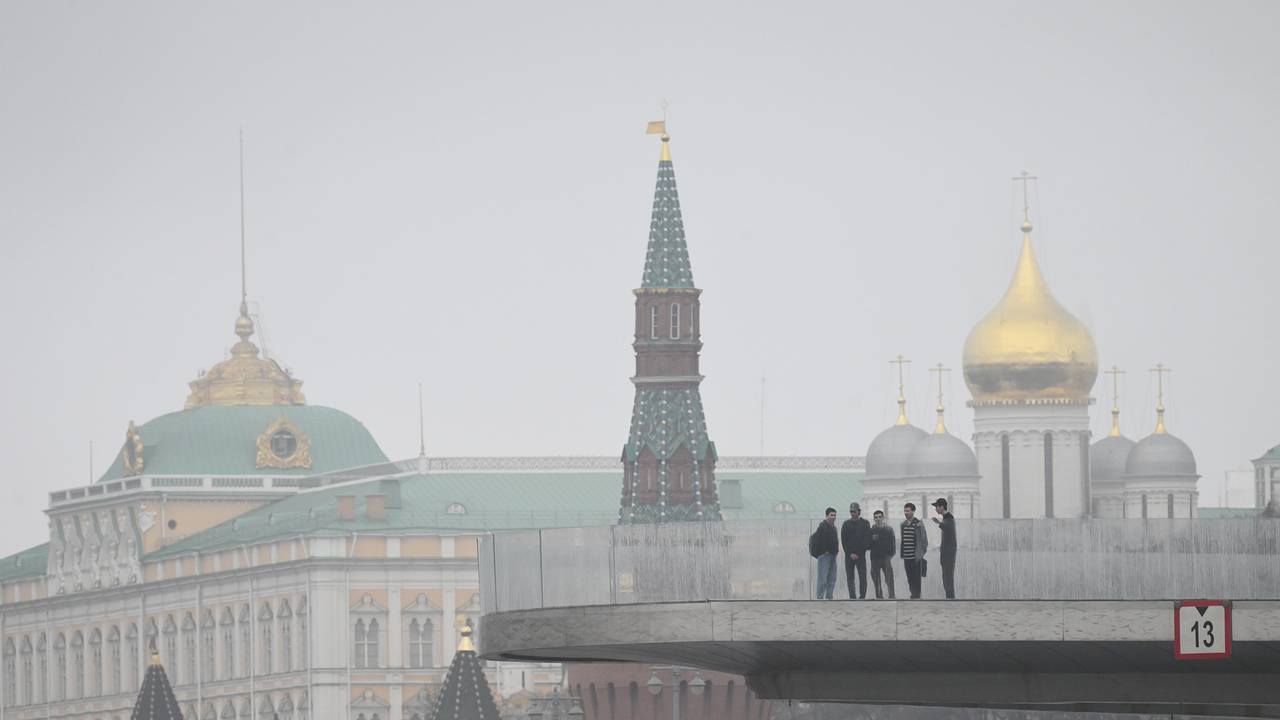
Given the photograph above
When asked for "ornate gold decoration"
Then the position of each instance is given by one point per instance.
(299, 458)
(1029, 348)
(245, 378)
(131, 455)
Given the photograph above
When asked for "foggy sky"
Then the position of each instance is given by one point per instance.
(459, 194)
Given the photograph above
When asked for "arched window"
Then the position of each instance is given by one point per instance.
(653, 322)
(266, 623)
(304, 637)
(228, 623)
(42, 670)
(675, 321)
(170, 657)
(415, 644)
(371, 645)
(95, 660)
(10, 673)
(77, 665)
(189, 653)
(286, 636)
(1004, 474)
(359, 643)
(113, 650)
(208, 647)
(134, 658)
(1048, 475)
(60, 667)
(28, 670)
(456, 509)
(784, 507)
(1170, 506)
(245, 621)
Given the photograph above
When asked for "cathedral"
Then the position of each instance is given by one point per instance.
(1030, 367)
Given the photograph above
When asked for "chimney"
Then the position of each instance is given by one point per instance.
(346, 507)
(375, 507)
(391, 488)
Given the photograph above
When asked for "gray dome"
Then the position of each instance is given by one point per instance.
(1160, 455)
(942, 455)
(889, 452)
(1107, 458)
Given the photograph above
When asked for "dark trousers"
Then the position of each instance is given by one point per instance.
(878, 565)
(913, 577)
(948, 559)
(861, 566)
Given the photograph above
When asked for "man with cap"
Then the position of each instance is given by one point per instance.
(947, 550)
(855, 537)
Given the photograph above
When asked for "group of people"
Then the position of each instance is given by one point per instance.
(859, 541)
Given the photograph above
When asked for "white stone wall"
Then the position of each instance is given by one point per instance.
(1026, 426)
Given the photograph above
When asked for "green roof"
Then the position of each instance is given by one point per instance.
(1272, 454)
(29, 563)
(500, 501)
(223, 440)
(666, 262)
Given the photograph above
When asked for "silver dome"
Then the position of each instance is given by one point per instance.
(1107, 458)
(889, 452)
(942, 455)
(1160, 455)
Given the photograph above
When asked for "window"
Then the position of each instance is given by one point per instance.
(456, 509)
(366, 644)
(10, 673)
(132, 661)
(420, 636)
(246, 642)
(1004, 474)
(784, 507)
(77, 659)
(60, 667)
(228, 623)
(653, 322)
(42, 671)
(170, 657)
(113, 644)
(267, 630)
(283, 444)
(675, 321)
(27, 671)
(189, 654)
(95, 658)
(304, 659)
(209, 651)
(359, 640)
(1170, 506)
(286, 637)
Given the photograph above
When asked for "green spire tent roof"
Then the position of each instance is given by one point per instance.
(223, 440)
(477, 502)
(666, 264)
(155, 698)
(465, 693)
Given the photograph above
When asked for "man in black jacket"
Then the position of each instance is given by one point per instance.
(883, 547)
(947, 548)
(827, 545)
(855, 537)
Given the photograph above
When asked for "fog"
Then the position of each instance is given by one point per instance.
(459, 195)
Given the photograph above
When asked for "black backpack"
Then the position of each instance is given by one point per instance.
(815, 547)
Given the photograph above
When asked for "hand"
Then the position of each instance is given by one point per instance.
(936, 521)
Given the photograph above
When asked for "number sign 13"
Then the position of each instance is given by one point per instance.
(1202, 629)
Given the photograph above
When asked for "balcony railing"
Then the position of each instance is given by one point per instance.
(769, 560)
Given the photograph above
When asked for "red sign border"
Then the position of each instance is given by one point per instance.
(1177, 630)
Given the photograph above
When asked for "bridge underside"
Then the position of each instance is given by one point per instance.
(1097, 656)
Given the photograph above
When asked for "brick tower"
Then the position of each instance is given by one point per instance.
(669, 460)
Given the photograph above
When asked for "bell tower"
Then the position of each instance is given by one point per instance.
(669, 460)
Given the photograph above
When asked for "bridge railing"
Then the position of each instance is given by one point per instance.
(1082, 559)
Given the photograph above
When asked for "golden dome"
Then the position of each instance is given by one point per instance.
(1029, 348)
(245, 378)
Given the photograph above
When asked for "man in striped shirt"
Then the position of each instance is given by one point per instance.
(913, 541)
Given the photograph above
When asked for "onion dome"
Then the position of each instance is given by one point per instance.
(890, 451)
(245, 378)
(1029, 347)
(1160, 455)
(1107, 459)
(942, 454)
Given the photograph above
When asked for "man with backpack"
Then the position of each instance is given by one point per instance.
(824, 545)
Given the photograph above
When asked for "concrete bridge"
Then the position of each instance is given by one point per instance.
(1064, 655)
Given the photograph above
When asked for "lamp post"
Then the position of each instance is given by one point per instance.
(655, 684)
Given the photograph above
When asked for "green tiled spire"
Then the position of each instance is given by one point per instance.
(666, 264)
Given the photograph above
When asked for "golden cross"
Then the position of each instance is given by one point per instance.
(1026, 177)
(1160, 371)
(899, 361)
(939, 369)
(1115, 374)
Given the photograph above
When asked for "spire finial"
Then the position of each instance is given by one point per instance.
(659, 127)
(1025, 178)
(942, 426)
(244, 324)
(902, 399)
(1160, 371)
(1115, 374)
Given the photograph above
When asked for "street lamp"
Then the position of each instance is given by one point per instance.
(696, 686)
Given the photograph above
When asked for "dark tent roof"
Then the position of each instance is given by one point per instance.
(465, 695)
(155, 697)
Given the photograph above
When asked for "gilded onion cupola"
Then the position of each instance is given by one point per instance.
(246, 378)
(1029, 348)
